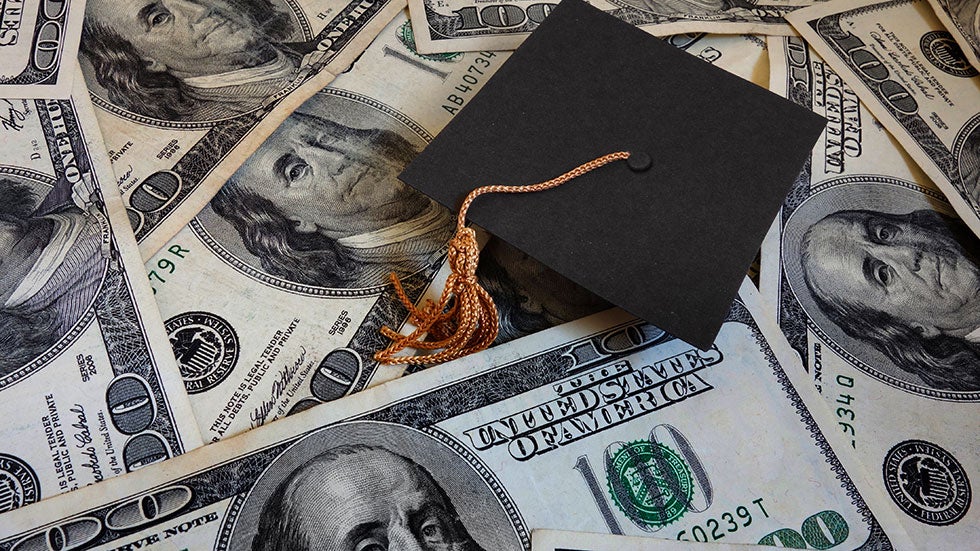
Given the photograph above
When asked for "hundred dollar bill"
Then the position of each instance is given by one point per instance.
(962, 19)
(468, 25)
(606, 424)
(874, 282)
(185, 90)
(558, 540)
(912, 76)
(307, 231)
(88, 384)
(273, 296)
(741, 55)
(38, 47)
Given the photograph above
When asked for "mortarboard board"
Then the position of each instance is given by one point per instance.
(670, 244)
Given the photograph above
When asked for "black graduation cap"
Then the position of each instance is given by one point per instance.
(670, 244)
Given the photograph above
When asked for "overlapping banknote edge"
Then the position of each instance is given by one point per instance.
(173, 383)
(428, 45)
(54, 39)
(809, 336)
(167, 379)
(801, 22)
(560, 540)
(205, 191)
(970, 49)
(30, 521)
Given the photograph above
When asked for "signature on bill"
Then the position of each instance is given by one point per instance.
(11, 116)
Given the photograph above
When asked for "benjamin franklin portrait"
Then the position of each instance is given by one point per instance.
(373, 486)
(361, 498)
(320, 204)
(52, 267)
(907, 284)
(190, 60)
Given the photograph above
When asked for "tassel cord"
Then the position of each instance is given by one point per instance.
(464, 320)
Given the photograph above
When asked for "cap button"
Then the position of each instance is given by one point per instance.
(639, 162)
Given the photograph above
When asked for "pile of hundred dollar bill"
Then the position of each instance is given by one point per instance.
(199, 209)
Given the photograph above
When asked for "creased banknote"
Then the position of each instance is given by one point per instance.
(606, 424)
(274, 294)
(558, 540)
(962, 20)
(185, 90)
(908, 70)
(88, 384)
(469, 25)
(874, 281)
(38, 47)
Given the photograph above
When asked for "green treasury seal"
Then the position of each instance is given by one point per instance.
(650, 483)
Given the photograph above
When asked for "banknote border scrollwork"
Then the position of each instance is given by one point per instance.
(302, 24)
(877, 539)
(971, 126)
(77, 328)
(498, 490)
(442, 26)
(384, 108)
(301, 19)
(445, 22)
(114, 305)
(790, 305)
(31, 75)
(422, 410)
(254, 273)
(233, 514)
(872, 8)
(638, 16)
(104, 104)
(272, 281)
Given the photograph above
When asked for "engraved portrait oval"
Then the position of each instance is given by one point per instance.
(966, 150)
(189, 63)
(365, 484)
(52, 270)
(965, 15)
(319, 209)
(888, 275)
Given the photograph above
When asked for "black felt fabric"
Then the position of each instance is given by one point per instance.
(671, 244)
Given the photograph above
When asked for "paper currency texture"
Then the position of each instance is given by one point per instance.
(38, 47)
(905, 67)
(285, 274)
(867, 258)
(305, 235)
(557, 540)
(185, 90)
(603, 425)
(89, 384)
(962, 19)
(466, 25)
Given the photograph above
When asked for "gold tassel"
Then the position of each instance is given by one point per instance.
(464, 320)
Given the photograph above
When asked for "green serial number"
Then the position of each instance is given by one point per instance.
(714, 530)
